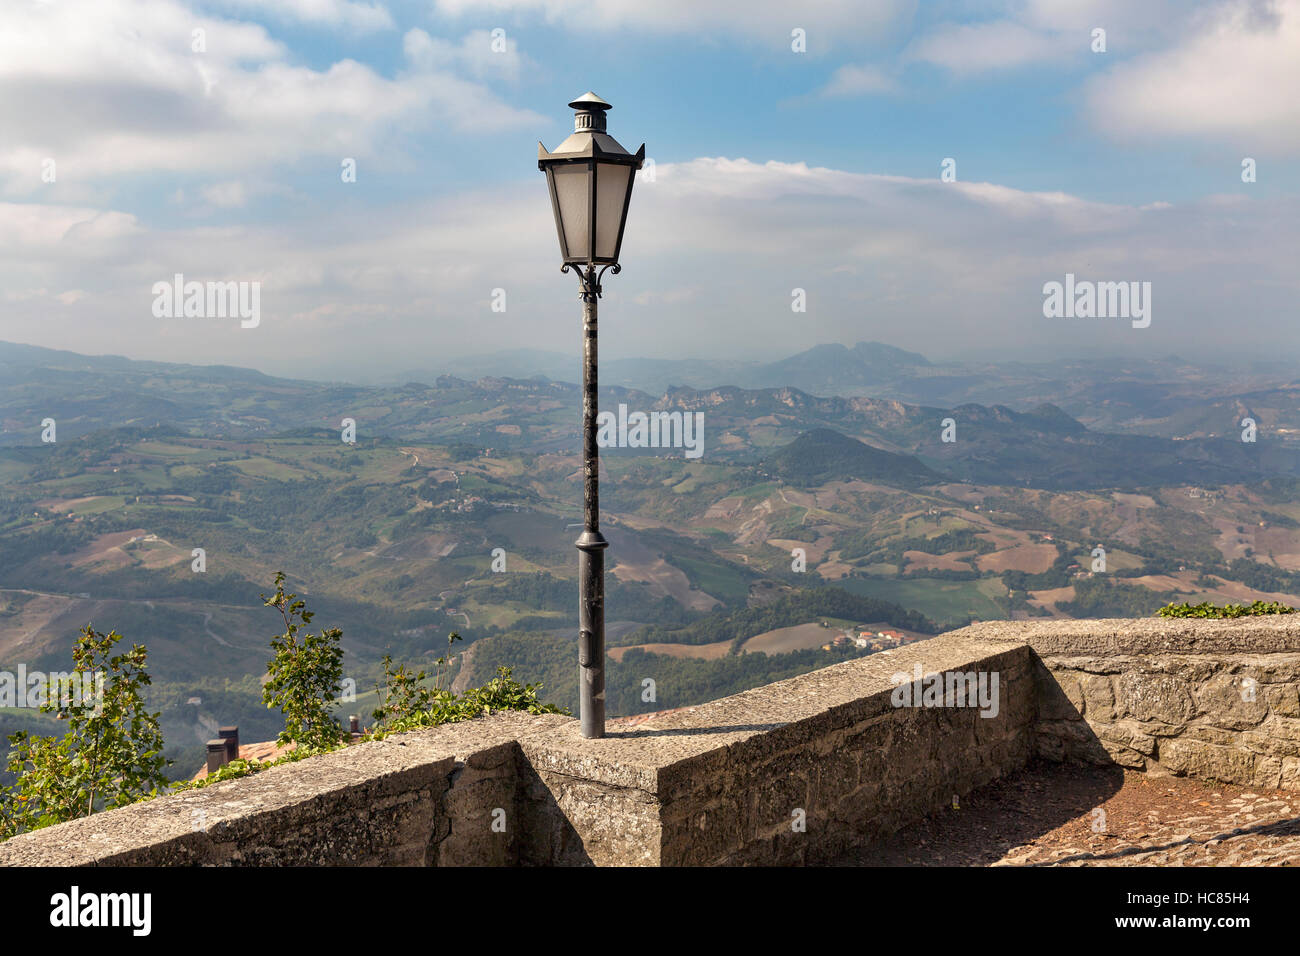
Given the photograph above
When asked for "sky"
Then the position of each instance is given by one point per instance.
(920, 171)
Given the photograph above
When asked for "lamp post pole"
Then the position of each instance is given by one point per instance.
(592, 544)
(590, 179)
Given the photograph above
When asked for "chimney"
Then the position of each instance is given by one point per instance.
(231, 736)
(217, 755)
(354, 726)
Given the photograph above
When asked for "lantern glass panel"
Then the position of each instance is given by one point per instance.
(571, 192)
(611, 193)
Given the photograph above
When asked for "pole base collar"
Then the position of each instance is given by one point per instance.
(591, 541)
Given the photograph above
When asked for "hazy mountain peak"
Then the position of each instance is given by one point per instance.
(880, 352)
(1056, 418)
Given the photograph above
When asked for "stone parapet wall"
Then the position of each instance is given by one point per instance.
(414, 799)
(793, 772)
(799, 771)
(1215, 700)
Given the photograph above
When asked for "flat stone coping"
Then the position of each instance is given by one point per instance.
(1265, 634)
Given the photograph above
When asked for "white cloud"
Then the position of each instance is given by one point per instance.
(861, 80)
(1234, 80)
(713, 248)
(999, 44)
(115, 88)
(475, 55)
(1021, 33)
(45, 232)
(226, 195)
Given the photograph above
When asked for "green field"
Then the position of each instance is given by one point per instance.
(936, 599)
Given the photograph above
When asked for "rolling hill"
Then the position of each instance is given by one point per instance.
(823, 455)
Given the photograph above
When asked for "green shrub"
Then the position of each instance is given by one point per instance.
(1206, 609)
(404, 693)
(111, 755)
(502, 692)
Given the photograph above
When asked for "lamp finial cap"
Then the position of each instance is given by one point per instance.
(590, 115)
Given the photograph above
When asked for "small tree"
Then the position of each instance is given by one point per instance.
(112, 753)
(305, 674)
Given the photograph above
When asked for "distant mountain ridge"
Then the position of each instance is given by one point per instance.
(16, 359)
(1044, 447)
(830, 369)
(822, 369)
(823, 455)
(1167, 397)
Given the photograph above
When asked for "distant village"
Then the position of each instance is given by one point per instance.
(866, 639)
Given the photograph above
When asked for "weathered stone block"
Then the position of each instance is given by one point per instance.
(1262, 742)
(1284, 728)
(1226, 700)
(706, 836)
(1193, 758)
(1123, 755)
(1212, 735)
(1148, 696)
(1282, 699)
(1268, 772)
(1098, 696)
(1128, 734)
(774, 797)
(1060, 696)
(616, 826)
(1290, 773)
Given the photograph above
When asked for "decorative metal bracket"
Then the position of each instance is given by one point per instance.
(589, 280)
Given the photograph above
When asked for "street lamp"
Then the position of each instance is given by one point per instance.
(590, 179)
